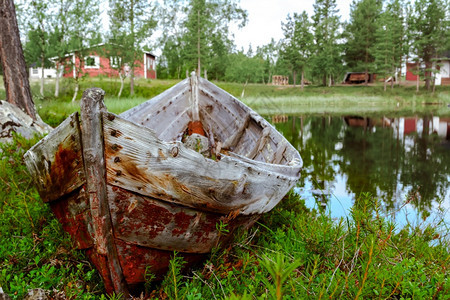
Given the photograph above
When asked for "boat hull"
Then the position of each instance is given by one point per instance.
(130, 192)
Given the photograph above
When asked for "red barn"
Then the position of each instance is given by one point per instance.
(97, 63)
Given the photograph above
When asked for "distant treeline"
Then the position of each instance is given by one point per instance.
(379, 37)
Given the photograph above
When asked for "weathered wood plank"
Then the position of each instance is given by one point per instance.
(56, 163)
(232, 141)
(138, 161)
(143, 113)
(161, 225)
(194, 97)
(137, 259)
(92, 107)
(72, 211)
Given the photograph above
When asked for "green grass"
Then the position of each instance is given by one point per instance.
(291, 253)
(265, 99)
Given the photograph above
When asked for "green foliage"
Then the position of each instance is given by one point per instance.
(429, 32)
(34, 250)
(390, 35)
(196, 36)
(292, 253)
(361, 34)
(297, 46)
(173, 281)
(280, 270)
(243, 68)
(326, 61)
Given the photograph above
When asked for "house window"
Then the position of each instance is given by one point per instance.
(150, 63)
(114, 61)
(92, 62)
(35, 71)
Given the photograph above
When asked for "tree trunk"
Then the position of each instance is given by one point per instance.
(57, 81)
(294, 75)
(302, 79)
(366, 77)
(75, 92)
(122, 77)
(132, 82)
(428, 74)
(418, 77)
(42, 75)
(198, 45)
(384, 83)
(243, 89)
(15, 78)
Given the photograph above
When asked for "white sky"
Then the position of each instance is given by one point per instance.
(265, 17)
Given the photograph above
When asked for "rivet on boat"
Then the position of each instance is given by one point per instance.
(113, 132)
(116, 159)
(111, 117)
(115, 147)
(72, 137)
(118, 172)
(174, 151)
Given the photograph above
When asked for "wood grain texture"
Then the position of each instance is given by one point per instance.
(15, 77)
(138, 161)
(56, 163)
(149, 222)
(92, 107)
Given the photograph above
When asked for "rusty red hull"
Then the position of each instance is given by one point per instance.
(130, 191)
(146, 233)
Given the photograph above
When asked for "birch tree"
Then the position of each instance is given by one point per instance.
(132, 24)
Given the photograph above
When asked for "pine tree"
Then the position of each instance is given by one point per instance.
(389, 48)
(15, 77)
(361, 32)
(198, 34)
(326, 60)
(296, 47)
(429, 27)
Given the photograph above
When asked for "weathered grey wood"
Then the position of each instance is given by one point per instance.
(194, 97)
(234, 139)
(56, 163)
(259, 145)
(280, 152)
(157, 224)
(138, 161)
(177, 94)
(92, 107)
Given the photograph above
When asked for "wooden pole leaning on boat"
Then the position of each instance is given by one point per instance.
(92, 107)
(195, 125)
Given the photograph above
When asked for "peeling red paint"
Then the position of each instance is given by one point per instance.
(135, 259)
(182, 222)
(101, 264)
(73, 213)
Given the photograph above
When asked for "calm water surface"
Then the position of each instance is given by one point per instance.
(403, 162)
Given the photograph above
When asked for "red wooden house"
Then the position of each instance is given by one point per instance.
(98, 62)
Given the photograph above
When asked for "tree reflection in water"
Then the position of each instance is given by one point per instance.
(397, 160)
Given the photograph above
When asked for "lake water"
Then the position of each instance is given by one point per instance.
(403, 161)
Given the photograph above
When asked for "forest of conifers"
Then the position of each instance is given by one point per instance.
(380, 37)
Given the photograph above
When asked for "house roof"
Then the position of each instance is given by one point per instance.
(95, 46)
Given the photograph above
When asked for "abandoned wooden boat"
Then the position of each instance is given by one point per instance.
(168, 175)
